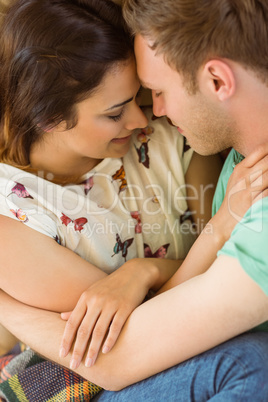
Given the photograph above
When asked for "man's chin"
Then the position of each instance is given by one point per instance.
(199, 149)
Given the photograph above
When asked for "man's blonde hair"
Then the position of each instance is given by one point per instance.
(190, 32)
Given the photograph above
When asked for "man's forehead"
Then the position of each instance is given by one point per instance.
(147, 62)
(153, 71)
(142, 47)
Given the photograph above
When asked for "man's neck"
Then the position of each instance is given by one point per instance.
(250, 110)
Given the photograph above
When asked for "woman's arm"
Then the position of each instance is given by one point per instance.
(161, 332)
(7, 340)
(37, 271)
(201, 179)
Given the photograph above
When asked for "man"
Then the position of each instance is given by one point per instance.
(206, 62)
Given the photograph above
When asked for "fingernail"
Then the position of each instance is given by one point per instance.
(105, 349)
(73, 364)
(62, 352)
(89, 362)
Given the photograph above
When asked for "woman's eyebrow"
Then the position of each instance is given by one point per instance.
(119, 104)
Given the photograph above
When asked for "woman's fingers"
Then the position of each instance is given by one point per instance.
(259, 181)
(71, 328)
(255, 156)
(260, 189)
(98, 334)
(93, 331)
(101, 313)
(66, 315)
(114, 327)
(87, 327)
(114, 331)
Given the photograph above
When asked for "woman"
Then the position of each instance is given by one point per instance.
(74, 209)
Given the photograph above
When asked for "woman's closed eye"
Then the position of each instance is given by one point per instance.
(117, 117)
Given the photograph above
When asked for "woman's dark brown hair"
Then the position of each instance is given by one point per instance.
(53, 54)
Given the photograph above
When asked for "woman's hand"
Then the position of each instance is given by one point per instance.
(103, 309)
(247, 184)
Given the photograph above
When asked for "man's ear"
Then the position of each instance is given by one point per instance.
(218, 77)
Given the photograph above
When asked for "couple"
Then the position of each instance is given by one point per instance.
(204, 62)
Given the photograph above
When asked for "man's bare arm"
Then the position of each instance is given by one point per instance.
(172, 327)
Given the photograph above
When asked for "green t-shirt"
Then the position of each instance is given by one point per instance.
(249, 240)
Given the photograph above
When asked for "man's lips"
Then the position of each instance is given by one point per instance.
(180, 130)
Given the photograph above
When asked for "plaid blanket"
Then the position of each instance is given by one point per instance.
(26, 377)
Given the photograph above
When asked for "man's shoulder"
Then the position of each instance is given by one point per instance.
(248, 243)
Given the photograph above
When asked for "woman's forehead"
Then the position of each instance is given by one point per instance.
(118, 85)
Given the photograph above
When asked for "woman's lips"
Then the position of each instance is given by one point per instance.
(121, 140)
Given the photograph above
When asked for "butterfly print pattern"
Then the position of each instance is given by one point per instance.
(88, 184)
(187, 215)
(186, 146)
(121, 176)
(57, 239)
(143, 150)
(20, 190)
(20, 215)
(136, 215)
(78, 223)
(155, 199)
(160, 253)
(122, 246)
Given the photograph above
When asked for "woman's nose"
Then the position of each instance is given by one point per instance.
(138, 119)
(158, 104)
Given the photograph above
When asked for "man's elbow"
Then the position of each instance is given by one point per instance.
(114, 383)
(109, 380)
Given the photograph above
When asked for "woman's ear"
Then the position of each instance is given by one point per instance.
(218, 77)
(45, 128)
(48, 128)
